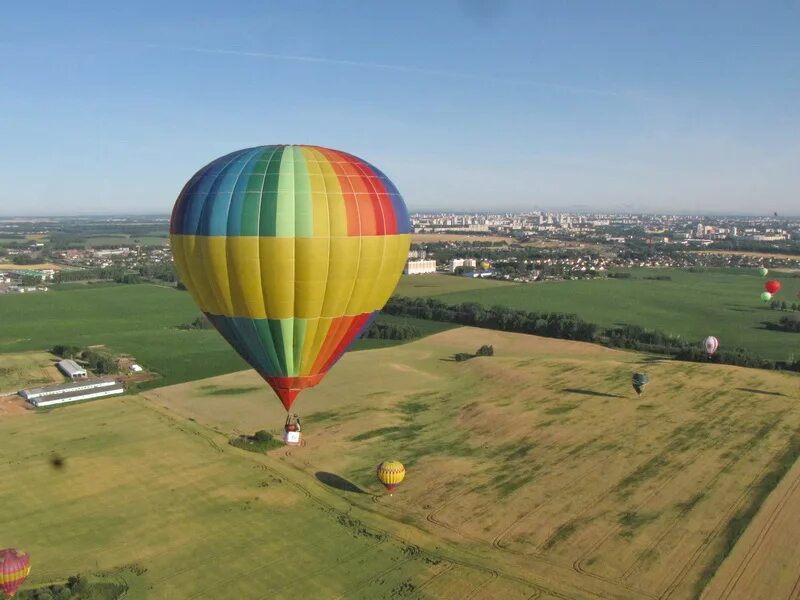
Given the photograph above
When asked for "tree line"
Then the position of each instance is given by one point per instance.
(391, 331)
(787, 323)
(572, 327)
(101, 363)
(783, 305)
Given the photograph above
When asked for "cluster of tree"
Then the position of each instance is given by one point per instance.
(75, 588)
(127, 277)
(101, 363)
(67, 350)
(571, 327)
(66, 276)
(392, 331)
(484, 350)
(783, 305)
(26, 259)
(637, 337)
(161, 271)
(791, 324)
(260, 441)
(200, 322)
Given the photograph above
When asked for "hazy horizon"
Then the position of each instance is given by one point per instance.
(619, 107)
(413, 210)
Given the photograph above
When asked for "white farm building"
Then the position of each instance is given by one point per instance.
(72, 369)
(72, 392)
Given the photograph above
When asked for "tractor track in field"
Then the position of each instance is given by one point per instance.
(493, 573)
(711, 536)
(762, 534)
(795, 593)
(449, 567)
(498, 540)
(370, 580)
(675, 520)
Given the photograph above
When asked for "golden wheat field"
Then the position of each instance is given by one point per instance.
(541, 459)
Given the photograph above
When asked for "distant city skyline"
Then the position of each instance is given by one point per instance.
(471, 105)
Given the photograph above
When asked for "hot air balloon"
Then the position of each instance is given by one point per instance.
(391, 474)
(639, 380)
(773, 287)
(763, 271)
(485, 265)
(766, 296)
(711, 345)
(290, 251)
(15, 566)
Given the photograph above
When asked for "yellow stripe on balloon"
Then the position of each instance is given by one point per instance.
(284, 277)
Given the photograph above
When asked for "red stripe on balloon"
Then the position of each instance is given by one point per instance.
(337, 329)
(361, 217)
(355, 327)
(380, 194)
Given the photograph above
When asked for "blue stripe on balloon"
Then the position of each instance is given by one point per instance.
(214, 217)
(246, 336)
(195, 196)
(234, 224)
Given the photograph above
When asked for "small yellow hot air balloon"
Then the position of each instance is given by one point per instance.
(391, 474)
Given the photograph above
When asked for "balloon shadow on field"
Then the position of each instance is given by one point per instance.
(339, 483)
(591, 393)
(764, 392)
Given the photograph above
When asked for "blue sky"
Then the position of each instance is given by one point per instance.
(647, 106)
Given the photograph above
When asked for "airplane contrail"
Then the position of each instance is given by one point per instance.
(409, 69)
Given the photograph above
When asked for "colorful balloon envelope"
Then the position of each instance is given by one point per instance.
(766, 296)
(15, 566)
(773, 287)
(711, 345)
(290, 251)
(391, 474)
(763, 271)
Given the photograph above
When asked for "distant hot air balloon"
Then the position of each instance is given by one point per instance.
(711, 345)
(391, 474)
(766, 296)
(14, 569)
(763, 271)
(290, 251)
(639, 380)
(773, 287)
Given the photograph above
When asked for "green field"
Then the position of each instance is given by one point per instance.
(140, 320)
(723, 303)
(174, 512)
(433, 284)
